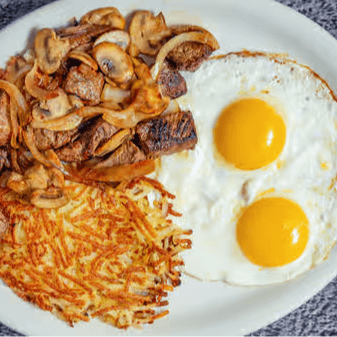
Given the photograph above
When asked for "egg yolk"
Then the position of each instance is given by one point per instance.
(249, 134)
(272, 232)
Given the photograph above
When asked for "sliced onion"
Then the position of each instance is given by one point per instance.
(114, 94)
(14, 77)
(64, 123)
(85, 58)
(173, 107)
(14, 124)
(111, 106)
(28, 136)
(120, 172)
(115, 141)
(34, 90)
(18, 100)
(204, 37)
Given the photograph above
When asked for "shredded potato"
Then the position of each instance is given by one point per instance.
(108, 253)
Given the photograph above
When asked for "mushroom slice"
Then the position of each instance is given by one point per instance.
(17, 183)
(113, 61)
(114, 94)
(106, 16)
(147, 33)
(37, 177)
(84, 57)
(50, 198)
(49, 50)
(52, 108)
(56, 177)
(115, 141)
(118, 37)
(182, 28)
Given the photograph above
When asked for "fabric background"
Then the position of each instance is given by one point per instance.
(318, 316)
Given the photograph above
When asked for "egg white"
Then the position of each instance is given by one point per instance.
(211, 194)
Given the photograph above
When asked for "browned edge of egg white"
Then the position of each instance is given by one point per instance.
(280, 58)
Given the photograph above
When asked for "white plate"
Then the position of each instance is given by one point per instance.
(197, 308)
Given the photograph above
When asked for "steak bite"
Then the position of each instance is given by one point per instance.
(85, 83)
(171, 82)
(166, 134)
(47, 139)
(92, 135)
(5, 128)
(4, 161)
(189, 55)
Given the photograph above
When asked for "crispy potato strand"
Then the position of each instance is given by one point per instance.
(107, 254)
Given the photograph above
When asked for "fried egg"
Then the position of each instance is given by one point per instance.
(259, 188)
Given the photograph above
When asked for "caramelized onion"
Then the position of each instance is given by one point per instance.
(114, 94)
(115, 141)
(120, 172)
(173, 107)
(203, 37)
(85, 58)
(33, 88)
(28, 136)
(14, 124)
(64, 123)
(18, 100)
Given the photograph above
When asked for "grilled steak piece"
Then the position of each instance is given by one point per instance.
(167, 134)
(86, 83)
(189, 55)
(4, 161)
(127, 153)
(171, 83)
(5, 128)
(83, 148)
(46, 139)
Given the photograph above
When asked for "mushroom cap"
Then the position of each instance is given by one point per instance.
(52, 108)
(118, 37)
(113, 61)
(106, 16)
(49, 50)
(148, 32)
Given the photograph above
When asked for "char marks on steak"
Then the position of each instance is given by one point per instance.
(189, 55)
(85, 83)
(166, 134)
(91, 136)
(171, 82)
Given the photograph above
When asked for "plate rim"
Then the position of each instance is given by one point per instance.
(283, 8)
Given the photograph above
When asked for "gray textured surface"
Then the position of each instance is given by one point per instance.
(317, 317)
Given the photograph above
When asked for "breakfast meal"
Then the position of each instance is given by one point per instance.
(129, 154)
